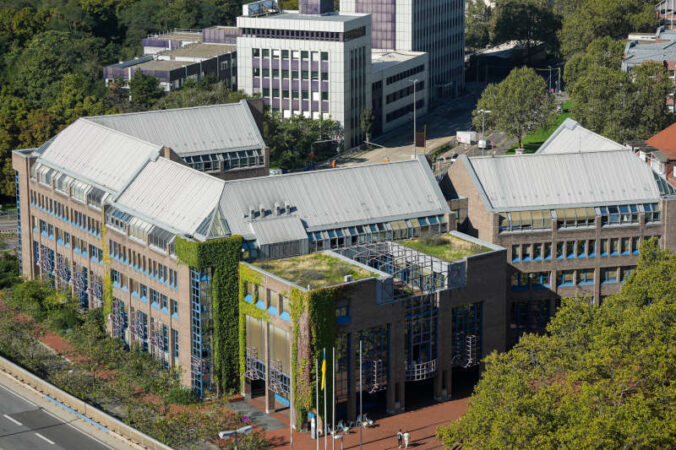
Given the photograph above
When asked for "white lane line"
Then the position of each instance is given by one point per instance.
(44, 438)
(88, 436)
(12, 420)
(17, 395)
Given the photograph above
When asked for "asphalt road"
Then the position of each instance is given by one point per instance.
(24, 425)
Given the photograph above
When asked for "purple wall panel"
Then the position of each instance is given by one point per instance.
(256, 63)
(296, 105)
(285, 104)
(382, 21)
(306, 105)
(275, 63)
(315, 6)
(325, 86)
(325, 66)
(266, 82)
(275, 103)
(275, 83)
(294, 64)
(315, 66)
(256, 82)
(266, 63)
(285, 84)
(325, 106)
(315, 85)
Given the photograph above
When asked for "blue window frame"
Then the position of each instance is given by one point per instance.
(343, 314)
(585, 277)
(541, 280)
(566, 278)
(515, 253)
(609, 275)
(520, 281)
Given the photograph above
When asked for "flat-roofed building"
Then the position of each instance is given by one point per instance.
(160, 42)
(572, 223)
(393, 75)
(425, 311)
(308, 64)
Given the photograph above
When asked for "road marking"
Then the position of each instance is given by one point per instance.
(44, 438)
(17, 395)
(12, 420)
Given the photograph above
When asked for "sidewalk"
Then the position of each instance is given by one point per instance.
(421, 423)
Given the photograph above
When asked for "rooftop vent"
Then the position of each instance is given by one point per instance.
(252, 212)
(349, 278)
(287, 206)
(261, 209)
(278, 209)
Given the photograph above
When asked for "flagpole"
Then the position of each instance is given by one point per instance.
(317, 408)
(326, 424)
(333, 403)
(291, 406)
(361, 412)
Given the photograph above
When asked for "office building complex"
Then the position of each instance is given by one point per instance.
(111, 211)
(572, 222)
(436, 27)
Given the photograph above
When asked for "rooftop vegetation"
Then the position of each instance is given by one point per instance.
(317, 270)
(446, 247)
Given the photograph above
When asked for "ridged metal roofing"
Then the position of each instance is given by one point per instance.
(278, 229)
(571, 137)
(93, 153)
(562, 180)
(333, 198)
(189, 131)
(173, 195)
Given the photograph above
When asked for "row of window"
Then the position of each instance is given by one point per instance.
(578, 217)
(220, 162)
(360, 234)
(305, 95)
(144, 233)
(268, 300)
(143, 264)
(312, 75)
(406, 74)
(404, 110)
(405, 92)
(584, 248)
(566, 278)
(294, 54)
(157, 336)
(64, 238)
(68, 215)
(141, 291)
(68, 186)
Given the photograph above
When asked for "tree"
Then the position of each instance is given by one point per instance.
(367, 121)
(292, 140)
(144, 90)
(602, 52)
(586, 20)
(528, 22)
(477, 24)
(622, 106)
(519, 104)
(202, 93)
(602, 377)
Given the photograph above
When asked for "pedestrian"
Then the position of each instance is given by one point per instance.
(399, 438)
(407, 436)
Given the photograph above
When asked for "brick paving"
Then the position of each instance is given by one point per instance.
(421, 423)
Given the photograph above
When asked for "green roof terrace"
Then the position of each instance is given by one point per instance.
(448, 247)
(316, 270)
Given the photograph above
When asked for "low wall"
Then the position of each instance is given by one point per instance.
(88, 412)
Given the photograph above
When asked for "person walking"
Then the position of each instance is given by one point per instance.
(399, 438)
(407, 436)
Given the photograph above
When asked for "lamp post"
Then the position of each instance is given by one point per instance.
(415, 128)
(483, 113)
(244, 430)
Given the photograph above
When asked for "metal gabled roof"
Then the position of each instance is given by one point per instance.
(88, 151)
(571, 137)
(190, 131)
(337, 197)
(172, 195)
(277, 230)
(542, 181)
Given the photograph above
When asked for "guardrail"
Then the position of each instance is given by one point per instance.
(80, 408)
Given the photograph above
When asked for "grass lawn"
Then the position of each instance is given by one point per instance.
(533, 141)
(317, 270)
(446, 247)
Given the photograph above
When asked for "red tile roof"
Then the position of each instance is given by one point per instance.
(665, 141)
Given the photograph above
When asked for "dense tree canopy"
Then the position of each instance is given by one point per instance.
(477, 24)
(623, 106)
(528, 22)
(602, 377)
(586, 20)
(518, 105)
(602, 52)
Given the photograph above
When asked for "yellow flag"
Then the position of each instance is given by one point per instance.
(323, 372)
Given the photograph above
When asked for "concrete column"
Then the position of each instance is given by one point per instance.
(269, 395)
(397, 382)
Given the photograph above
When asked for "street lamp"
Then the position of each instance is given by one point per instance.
(550, 79)
(415, 128)
(226, 434)
(483, 113)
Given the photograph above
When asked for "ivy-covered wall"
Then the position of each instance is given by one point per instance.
(107, 279)
(222, 257)
(313, 320)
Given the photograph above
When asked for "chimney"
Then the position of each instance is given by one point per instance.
(278, 209)
(287, 207)
(261, 209)
(315, 6)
